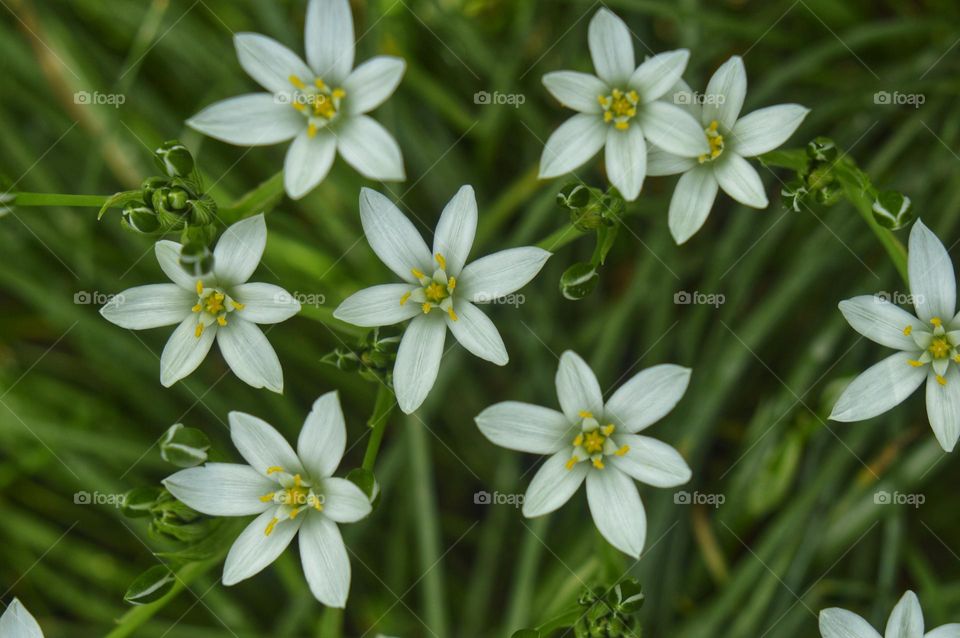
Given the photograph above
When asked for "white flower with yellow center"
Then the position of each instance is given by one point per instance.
(17, 622)
(929, 344)
(597, 442)
(730, 138)
(906, 621)
(289, 492)
(220, 305)
(439, 290)
(321, 104)
(620, 110)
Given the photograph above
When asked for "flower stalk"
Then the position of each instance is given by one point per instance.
(382, 409)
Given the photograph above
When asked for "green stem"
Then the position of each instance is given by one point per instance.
(58, 199)
(382, 408)
(263, 197)
(864, 205)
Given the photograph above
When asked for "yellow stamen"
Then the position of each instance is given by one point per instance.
(607, 116)
(271, 525)
(623, 450)
(293, 513)
(936, 322)
(426, 308)
(311, 130)
(593, 442)
(573, 461)
(907, 331)
(338, 94)
(266, 498)
(199, 287)
(956, 358)
(915, 363)
(405, 297)
(578, 441)
(416, 273)
(941, 380)
(608, 429)
(451, 284)
(297, 82)
(598, 463)
(441, 261)
(435, 292)
(274, 469)
(939, 348)
(237, 305)
(197, 308)
(299, 106)
(317, 505)
(585, 414)
(222, 320)
(198, 331)
(452, 314)
(621, 126)
(320, 84)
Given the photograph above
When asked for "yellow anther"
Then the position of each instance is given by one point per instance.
(417, 273)
(907, 331)
(442, 261)
(435, 292)
(598, 463)
(317, 505)
(320, 84)
(297, 82)
(956, 358)
(338, 94)
(273, 523)
(198, 330)
(405, 297)
(608, 429)
(297, 481)
(584, 414)
(941, 380)
(299, 106)
(451, 284)
(573, 461)
(199, 287)
(237, 305)
(294, 512)
(222, 320)
(623, 450)
(273, 469)
(311, 130)
(622, 126)
(452, 314)
(578, 441)
(915, 363)
(603, 100)
(936, 322)
(616, 93)
(713, 126)
(266, 498)
(939, 348)
(426, 308)
(197, 308)
(607, 116)
(593, 442)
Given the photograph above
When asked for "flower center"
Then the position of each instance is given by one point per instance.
(317, 102)
(295, 496)
(619, 107)
(715, 140)
(213, 305)
(435, 291)
(594, 442)
(938, 348)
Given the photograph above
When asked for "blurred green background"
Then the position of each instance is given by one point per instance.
(81, 406)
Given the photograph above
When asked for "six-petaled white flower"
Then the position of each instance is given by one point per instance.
(17, 622)
(906, 621)
(220, 305)
(597, 442)
(929, 344)
(439, 289)
(289, 492)
(321, 104)
(731, 138)
(618, 109)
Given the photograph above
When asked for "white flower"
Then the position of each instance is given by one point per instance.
(438, 289)
(618, 109)
(906, 621)
(320, 104)
(731, 138)
(220, 304)
(17, 622)
(289, 491)
(597, 442)
(929, 345)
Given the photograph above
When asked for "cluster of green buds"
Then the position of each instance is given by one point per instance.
(610, 614)
(373, 357)
(169, 518)
(816, 178)
(591, 210)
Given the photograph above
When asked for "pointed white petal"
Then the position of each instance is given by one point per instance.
(945, 631)
(647, 397)
(370, 149)
(323, 438)
(725, 94)
(168, 255)
(881, 321)
(251, 357)
(525, 427)
(765, 129)
(651, 461)
(840, 623)
(740, 181)
(932, 281)
(943, 407)
(501, 273)
(654, 78)
(626, 159)
(255, 119)
(17, 622)
(378, 306)
(393, 237)
(577, 91)
(261, 445)
(325, 561)
(344, 502)
(239, 250)
(455, 231)
(371, 83)
(254, 549)
(475, 332)
(184, 351)
(553, 485)
(222, 489)
(328, 37)
(660, 162)
(680, 94)
(149, 306)
(611, 48)
(418, 360)
(577, 388)
(616, 509)
(270, 63)
(264, 303)
(692, 202)
(881, 387)
(673, 129)
(572, 144)
(307, 162)
(906, 620)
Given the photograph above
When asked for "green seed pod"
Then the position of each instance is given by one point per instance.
(893, 210)
(184, 447)
(574, 196)
(174, 159)
(578, 281)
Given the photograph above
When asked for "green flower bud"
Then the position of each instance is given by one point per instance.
(140, 218)
(822, 149)
(177, 198)
(150, 185)
(184, 447)
(893, 210)
(150, 586)
(203, 210)
(196, 258)
(578, 281)
(366, 481)
(793, 194)
(174, 159)
(139, 501)
(574, 196)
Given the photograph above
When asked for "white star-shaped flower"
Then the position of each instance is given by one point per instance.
(289, 492)
(597, 442)
(17, 622)
(731, 139)
(439, 290)
(906, 621)
(619, 109)
(219, 305)
(929, 344)
(321, 104)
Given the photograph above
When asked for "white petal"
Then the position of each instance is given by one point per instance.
(371, 83)
(270, 63)
(765, 129)
(943, 407)
(475, 332)
(881, 387)
(740, 181)
(418, 360)
(906, 620)
(239, 250)
(328, 37)
(149, 306)
(647, 397)
(660, 162)
(945, 631)
(682, 95)
(17, 622)
(626, 159)
(572, 144)
(456, 229)
(255, 119)
(840, 623)
(377, 306)
(323, 438)
(184, 351)
(616, 509)
(370, 149)
(654, 78)
(265, 303)
(725, 94)
(673, 129)
(221, 489)
(525, 427)
(251, 357)
(501, 273)
(881, 321)
(553, 485)
(254, 549)
(325, 561)
(392, 236)
(611, 48)
(651, 461)
(261, 445)
(932, 281)
(577, 388)
(168, 255)
(307, 162)
(344, 502)
(578, 91)
(692, 202)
